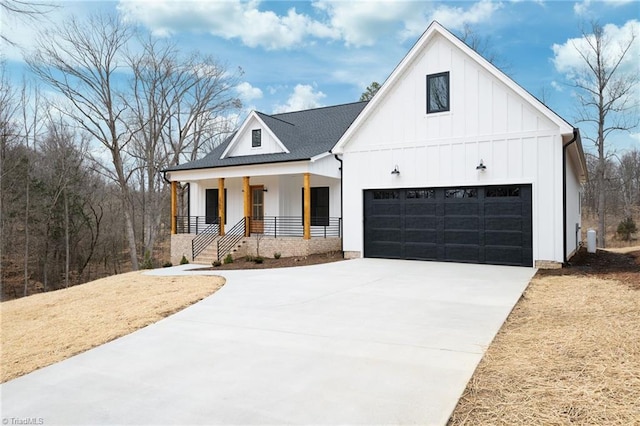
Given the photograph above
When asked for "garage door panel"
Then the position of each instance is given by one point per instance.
(421, 251)
(462, 222)
(503, 224)
(385, 209)
(421, 237)
(385, 222)
(386, 235)
(504, 256)
(490, 224)
(462, 237)
(503, 209)
(461, 209)
(462, 253)
(503, 238)
(416, 223)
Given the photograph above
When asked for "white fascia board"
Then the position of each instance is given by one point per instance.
(251, 170)
(432, 30)
(242, 130)
(320, 156)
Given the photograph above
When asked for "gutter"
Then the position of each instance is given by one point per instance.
(341, 206)
(564, 194)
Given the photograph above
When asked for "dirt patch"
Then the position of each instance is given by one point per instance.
(569, 352)
(45, 328)
(283, 262)
(618, 264)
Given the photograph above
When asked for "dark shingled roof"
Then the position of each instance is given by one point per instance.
(305, 134)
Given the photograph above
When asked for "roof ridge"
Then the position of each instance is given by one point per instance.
(275, 118)
(317, 108)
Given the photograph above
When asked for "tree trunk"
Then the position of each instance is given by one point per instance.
(131, 237)
(66, 239)
(26, 233)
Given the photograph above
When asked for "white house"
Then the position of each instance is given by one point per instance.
(450, 161)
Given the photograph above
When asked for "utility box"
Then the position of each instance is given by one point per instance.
(591, 241)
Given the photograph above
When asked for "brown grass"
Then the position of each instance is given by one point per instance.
(46, 328)
(569, 353)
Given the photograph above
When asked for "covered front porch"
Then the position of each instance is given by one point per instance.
(294, 214)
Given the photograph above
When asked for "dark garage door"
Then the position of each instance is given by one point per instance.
(489, 224)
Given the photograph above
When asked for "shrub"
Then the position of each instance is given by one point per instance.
(277, 255)
(167, 264)
(249, 258)
(184, 260)
(258, 259)
(216, 263)
(626, 228)
(228, 259)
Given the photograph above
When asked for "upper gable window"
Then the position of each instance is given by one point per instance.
(256, 138)
(437, 92)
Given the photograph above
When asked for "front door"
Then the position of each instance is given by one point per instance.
(257, 209)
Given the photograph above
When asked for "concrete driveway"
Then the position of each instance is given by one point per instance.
(365, 341)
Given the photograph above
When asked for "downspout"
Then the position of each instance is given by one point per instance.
(564, 194)
(341, 207)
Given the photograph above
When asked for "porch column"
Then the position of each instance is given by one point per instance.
(174, 206)
(247, 204)
(307, 206)
(221, 204)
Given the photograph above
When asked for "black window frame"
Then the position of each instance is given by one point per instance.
(317, 217)
(256, 138)
(207, 217)
(446, 108)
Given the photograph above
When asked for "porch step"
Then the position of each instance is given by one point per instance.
(208, 255)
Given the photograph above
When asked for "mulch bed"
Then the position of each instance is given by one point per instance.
(624, 267)
(283, 262)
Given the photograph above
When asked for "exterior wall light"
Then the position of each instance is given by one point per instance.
(395, 171)
(481, 166)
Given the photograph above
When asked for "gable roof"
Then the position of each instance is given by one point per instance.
(305, 134)
(432, 31)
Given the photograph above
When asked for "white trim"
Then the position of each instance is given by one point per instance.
(319, 156)
(436, 29)
(242, 130)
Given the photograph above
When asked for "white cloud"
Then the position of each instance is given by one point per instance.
(303, 97)
(226, 19)
(361, 23)
(454, 18)
(556, 86)
(247, 92)
(567, 59)
(584, 7)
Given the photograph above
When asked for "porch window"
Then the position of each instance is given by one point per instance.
(319, 205)
(256, 138)
(211, 206)
(438, 92)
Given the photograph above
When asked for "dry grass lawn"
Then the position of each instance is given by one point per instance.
(569, 353)
(45, 328)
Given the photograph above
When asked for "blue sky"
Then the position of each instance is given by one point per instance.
(298, 54)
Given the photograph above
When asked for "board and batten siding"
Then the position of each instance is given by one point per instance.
(487, 121)
(242, 146)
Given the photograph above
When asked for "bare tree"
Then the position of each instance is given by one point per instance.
(606, 99)
(9, 111)
(24, 10)
(179, 107)
(483, 46)
(81, 61)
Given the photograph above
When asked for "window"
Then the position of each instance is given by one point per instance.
(319, 206)
(461, 193)
(421, 193)
(211, 206)
(438, 92)
(386, 195)
(256, 138)
(503, 191)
